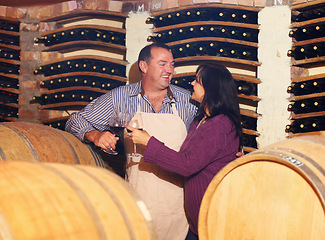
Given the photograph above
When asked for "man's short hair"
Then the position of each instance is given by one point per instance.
(145, 53)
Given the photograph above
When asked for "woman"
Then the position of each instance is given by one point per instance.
(212, 141)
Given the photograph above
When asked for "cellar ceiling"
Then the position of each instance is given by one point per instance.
(28, 3)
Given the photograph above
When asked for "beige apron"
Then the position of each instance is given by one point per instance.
(162, 191)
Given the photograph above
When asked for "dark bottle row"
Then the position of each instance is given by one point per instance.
(308, 51)
(9, 68)
(9, 25)
(66, 96)
(309, 15)
(303, 125)
(8, 111)
(204, 14)
(81, 81)
(184, 81)
(214, 48)
(7, 82)
(89, 34)
(307, 87)
(9, 39)
(308, 32)
(59, 124)
(308, 105)
(8, 97)
(248, 122)
(7, 53)
(239, 33)
(243, 87)
(82, 65)
(249, 140)
(246, 88)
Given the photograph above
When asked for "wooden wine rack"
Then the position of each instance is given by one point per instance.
(237, 63)
(82, 44)
(308, 63)
(75, 45)
(3, 61)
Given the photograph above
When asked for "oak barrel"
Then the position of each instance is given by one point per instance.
(276, 192)
(40, 143)
(63, 201)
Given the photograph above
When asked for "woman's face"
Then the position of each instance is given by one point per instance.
(198, 90)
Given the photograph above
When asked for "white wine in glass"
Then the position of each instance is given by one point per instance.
(136, 123)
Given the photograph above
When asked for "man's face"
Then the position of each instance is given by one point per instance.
(160, 69)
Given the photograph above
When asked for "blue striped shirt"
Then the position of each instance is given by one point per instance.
(125, 98)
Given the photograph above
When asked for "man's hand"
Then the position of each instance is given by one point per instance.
(104, 140)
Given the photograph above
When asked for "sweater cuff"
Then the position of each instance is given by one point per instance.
(152, 149)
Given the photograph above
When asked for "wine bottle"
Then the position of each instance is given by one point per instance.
(246, 88)
(43, 40)
(317, 105)
(299, 107)
(8, 111)
(157, 38)
(316, 50)
(8, 97)
(9, 25)
(298, 88)
(310, 124)
(7, 53)
(9, 68)
(308, 87)
(249, 140)
(248, 17)
(317, 86)
(184, 82)
(59, 124)
(297, 53)
(7, 82)
(308, 15)
(249, 54)
(9, 39)
(249, 35)
(248, 122)
(297, 127)
(82, 65)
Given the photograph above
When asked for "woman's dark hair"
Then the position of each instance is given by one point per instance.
(145, 53)
(220, 94)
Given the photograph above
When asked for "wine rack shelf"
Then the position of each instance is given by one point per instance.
(77, 45)
(307, 93)
(311, 62)
(83, 14)
(73, 38)
(82, 79)
(9, 68)
(73, 81)
(236, 63)
(84, 63)
(72, 97)
(56, 122)
(222, 33)
(307, 115)
(307, 134)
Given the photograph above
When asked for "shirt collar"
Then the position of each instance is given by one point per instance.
(138, 89)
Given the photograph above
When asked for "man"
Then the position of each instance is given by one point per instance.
(166, 113)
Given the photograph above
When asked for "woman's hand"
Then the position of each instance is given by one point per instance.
(138, 136)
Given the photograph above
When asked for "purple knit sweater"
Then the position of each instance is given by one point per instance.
(203, 153)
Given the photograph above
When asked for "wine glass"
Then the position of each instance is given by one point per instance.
(136, 123)
(116, 124)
